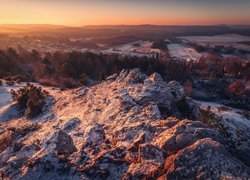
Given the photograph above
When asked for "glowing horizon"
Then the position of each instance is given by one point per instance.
(118, 12)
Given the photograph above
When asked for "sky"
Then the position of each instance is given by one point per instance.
(126, 12)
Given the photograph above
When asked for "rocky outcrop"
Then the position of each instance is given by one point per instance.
(176, 90)
(183, 134)
(70, 124)
(149, 164)
(205, 159)
(130, 126)
(13, 166)
(59, 143)
(49, 166)
(94, 136)
(6, 139)
(152, 89)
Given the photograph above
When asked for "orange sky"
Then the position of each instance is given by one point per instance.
(100, 12)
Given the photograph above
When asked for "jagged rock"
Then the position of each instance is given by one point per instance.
(135, 145)
(153, 111)
(29, 150)
(13, 167)
(153, 89)
(129, 134)
(112, 77)
(204, 160)
(135, 76)
(119, 131)
(81, 93)
(79, 158)
(126, 100)
(158, 126)
(21, 128)
(176, 90)
(122, 75)
(6, 139)
(194, 109)
(183, 134)
(150, 152)
(94, 135)
(70, 124)
(150, 162)
(107, 165)
(49, 166)
(59, 143)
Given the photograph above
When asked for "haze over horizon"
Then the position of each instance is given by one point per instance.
(118, 12)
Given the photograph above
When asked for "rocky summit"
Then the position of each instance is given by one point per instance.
(129, 126)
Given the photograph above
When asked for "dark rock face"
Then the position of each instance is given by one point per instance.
(176, 90)
(204, 159)
(60, 143)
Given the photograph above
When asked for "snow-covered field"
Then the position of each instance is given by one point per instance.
(224, 40)
(139, 48)
(181, 52)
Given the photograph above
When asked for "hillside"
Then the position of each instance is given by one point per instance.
(128, 126)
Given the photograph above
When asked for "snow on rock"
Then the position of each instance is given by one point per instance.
(144, 89)
(112, 77)
(14, 166)
(70, 124)
(204, 159)
(58, 142)
(126, 100)
(6, 139)
(183, 134)
(150, 162)
(176, 90)
(94, 135)
(49, 166)
(124, 127)
(235, 126)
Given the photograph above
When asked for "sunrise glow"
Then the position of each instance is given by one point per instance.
(100, 12)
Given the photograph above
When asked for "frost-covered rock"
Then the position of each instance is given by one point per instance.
(205, 159)
(112, 77)
(81, 92)
(94, 135)
(153, 89)
(152, 111)
(183, 134)
(194, 109)
(58, 142)
(150, 162)
(107, 165)
(140, 140)
(70, 124)
(135, 76)
(176, 90)
(126, 100)
(6, 138)
(49, 166)
(123, 128)
(122, 75)
(13, 167)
